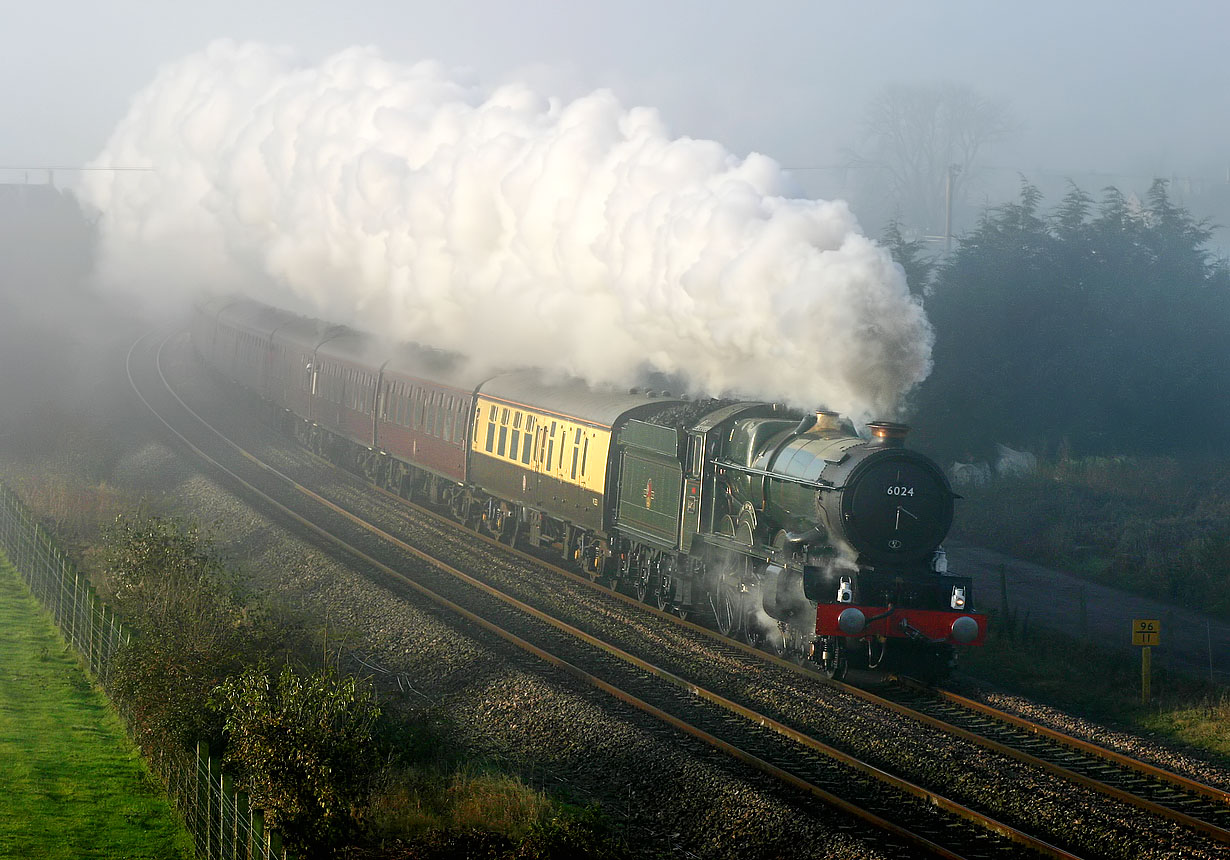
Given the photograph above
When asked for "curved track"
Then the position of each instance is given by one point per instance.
(796, 757)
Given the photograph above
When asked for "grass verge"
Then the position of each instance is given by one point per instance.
(74, 787)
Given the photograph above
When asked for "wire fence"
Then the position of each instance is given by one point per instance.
(220, 819)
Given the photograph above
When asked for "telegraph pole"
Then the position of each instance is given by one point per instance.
(953, 171)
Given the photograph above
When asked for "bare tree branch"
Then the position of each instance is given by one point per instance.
(916, 135)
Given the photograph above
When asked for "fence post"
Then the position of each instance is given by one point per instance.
(256, 835)
(75, 611)
(243, 827)
(215, 809)
(226, 821)
(94, 627)
(107, 619)
(200, 794)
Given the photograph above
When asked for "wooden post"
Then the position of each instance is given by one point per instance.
(243, 827)
(200, 795)
(273, 842)
(226, 821)
(214, 808)
(1145, 673)
(256, 835)
(1146, 632)
(95, 630)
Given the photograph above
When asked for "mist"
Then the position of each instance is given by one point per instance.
(61, 343)
(1101, 94)
(499, 223)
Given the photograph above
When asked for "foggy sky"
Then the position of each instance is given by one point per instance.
(1121, 88)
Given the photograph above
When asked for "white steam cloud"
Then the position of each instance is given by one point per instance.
(500, 224)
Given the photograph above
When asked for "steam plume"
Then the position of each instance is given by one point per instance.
(501, 224)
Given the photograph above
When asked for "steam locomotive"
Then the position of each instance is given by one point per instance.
(788, 530)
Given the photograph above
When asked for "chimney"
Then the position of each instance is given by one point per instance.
(887, 434)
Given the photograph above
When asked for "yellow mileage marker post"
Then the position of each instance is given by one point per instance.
(1146, 632)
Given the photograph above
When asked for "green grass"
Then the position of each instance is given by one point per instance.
(72, 784)
(1105, 687)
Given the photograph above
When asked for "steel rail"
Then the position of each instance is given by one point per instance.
(934, 798)
(1208, 828)
(1085, 746)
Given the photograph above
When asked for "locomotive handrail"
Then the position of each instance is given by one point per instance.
(762, 473)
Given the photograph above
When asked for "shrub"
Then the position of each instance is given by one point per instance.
(305, 749)
(1156, 526)
(167, 574)
(163, 684)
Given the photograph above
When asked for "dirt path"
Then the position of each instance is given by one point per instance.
(1190, 639)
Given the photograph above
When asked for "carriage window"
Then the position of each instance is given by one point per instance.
(491, 435)
(584, 455)
(503, 440)
(525, 449)
(551, 446)
(516, 436)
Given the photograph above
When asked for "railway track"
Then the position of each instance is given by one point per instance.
(1153, 789)
(793, 755)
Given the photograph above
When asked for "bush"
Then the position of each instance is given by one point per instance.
(305, 749)
(172, 585)
(163, 685)
(1157, 527)
(167, 575)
